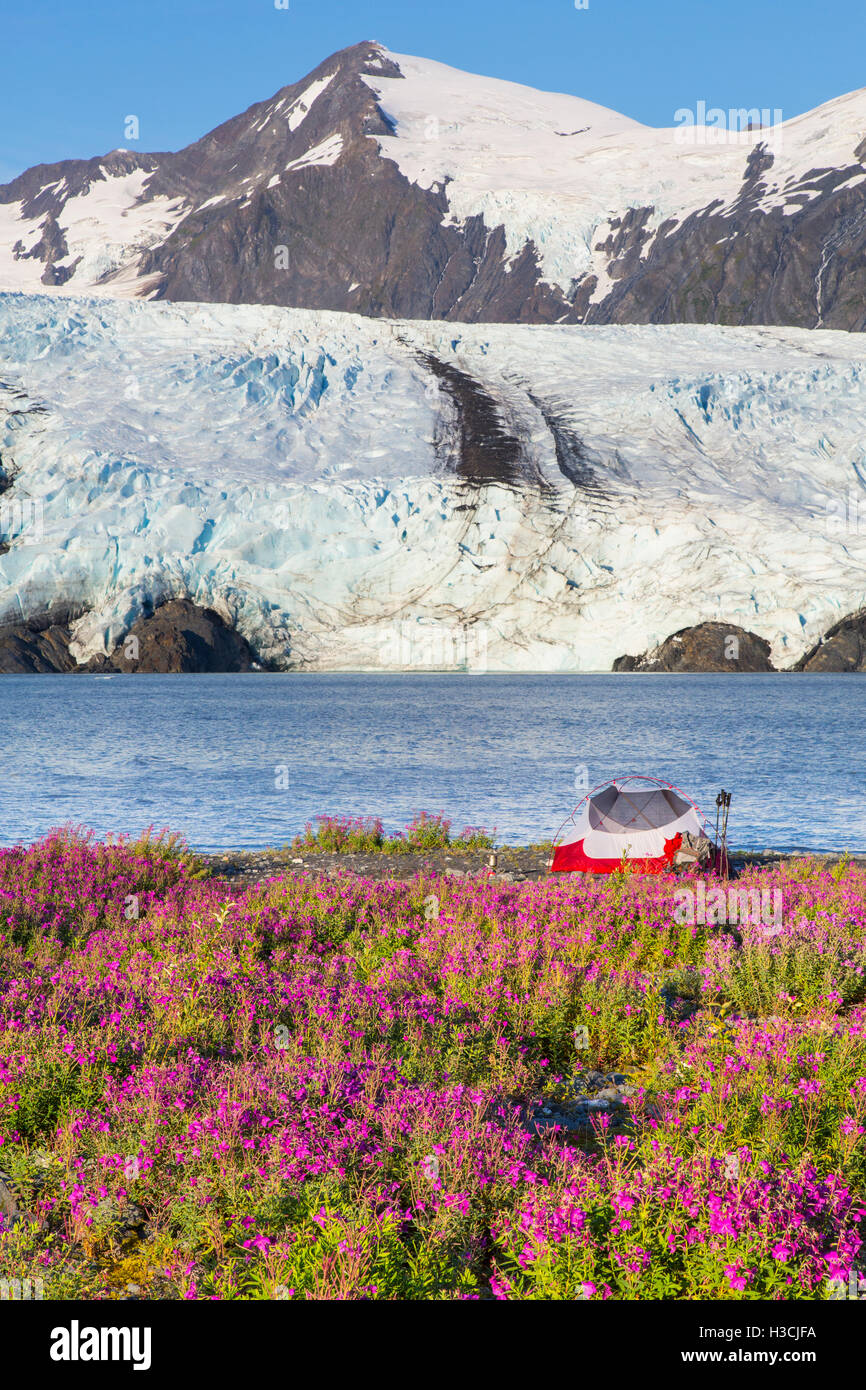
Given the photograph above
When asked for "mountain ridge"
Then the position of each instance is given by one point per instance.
(400, 188)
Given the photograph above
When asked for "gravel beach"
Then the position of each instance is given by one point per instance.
(513, 865)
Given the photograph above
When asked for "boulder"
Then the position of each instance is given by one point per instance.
(712, 646)
(842, 648)
(178, 637)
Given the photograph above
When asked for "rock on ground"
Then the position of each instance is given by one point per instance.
(843, 647)
(178, 637)
(707, 647)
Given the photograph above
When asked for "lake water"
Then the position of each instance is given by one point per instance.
(204, 754)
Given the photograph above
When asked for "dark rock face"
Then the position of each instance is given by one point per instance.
(707, 647)
(751, 266)
(354, 236)
(843, 648)
(260, 226)
(178, 637)
(24, 652)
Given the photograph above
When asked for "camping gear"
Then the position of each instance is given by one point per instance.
(695, 852)
(723, 801)
(636, 821)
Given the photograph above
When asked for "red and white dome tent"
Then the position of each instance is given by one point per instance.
(642, 818)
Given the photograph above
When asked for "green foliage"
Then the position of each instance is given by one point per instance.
(425, 833)
(341, 835)
(428, 831)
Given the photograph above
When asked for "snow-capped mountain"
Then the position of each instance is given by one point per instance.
(398, 187)
(354, 493)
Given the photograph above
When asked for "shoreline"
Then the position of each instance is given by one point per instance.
(515, 864)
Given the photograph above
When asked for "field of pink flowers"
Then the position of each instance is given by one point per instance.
(334, 1088)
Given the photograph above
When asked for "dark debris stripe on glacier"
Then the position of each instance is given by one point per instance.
(485, 450)
(571, 452)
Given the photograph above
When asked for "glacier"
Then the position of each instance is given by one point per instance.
(346, 491)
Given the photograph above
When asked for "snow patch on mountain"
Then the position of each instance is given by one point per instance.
(300, 109)
(504, 151)
(304, 473)
(553, 169)
(106, 230)
(325, 153)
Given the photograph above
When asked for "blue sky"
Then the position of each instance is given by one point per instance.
(74, 69)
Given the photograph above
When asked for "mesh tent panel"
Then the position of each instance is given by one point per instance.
(643, 810)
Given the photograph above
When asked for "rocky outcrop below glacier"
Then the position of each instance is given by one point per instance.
(36, 647)
(722, 647)
(183, 638)
(178, 637)
(842, 649)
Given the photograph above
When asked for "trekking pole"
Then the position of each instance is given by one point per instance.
(719, 802)
(727, 796)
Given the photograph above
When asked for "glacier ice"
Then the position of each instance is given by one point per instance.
(300, 472)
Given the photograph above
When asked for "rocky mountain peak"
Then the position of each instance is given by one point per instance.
(398, 187)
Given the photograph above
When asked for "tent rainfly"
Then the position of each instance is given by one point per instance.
(641, 818)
